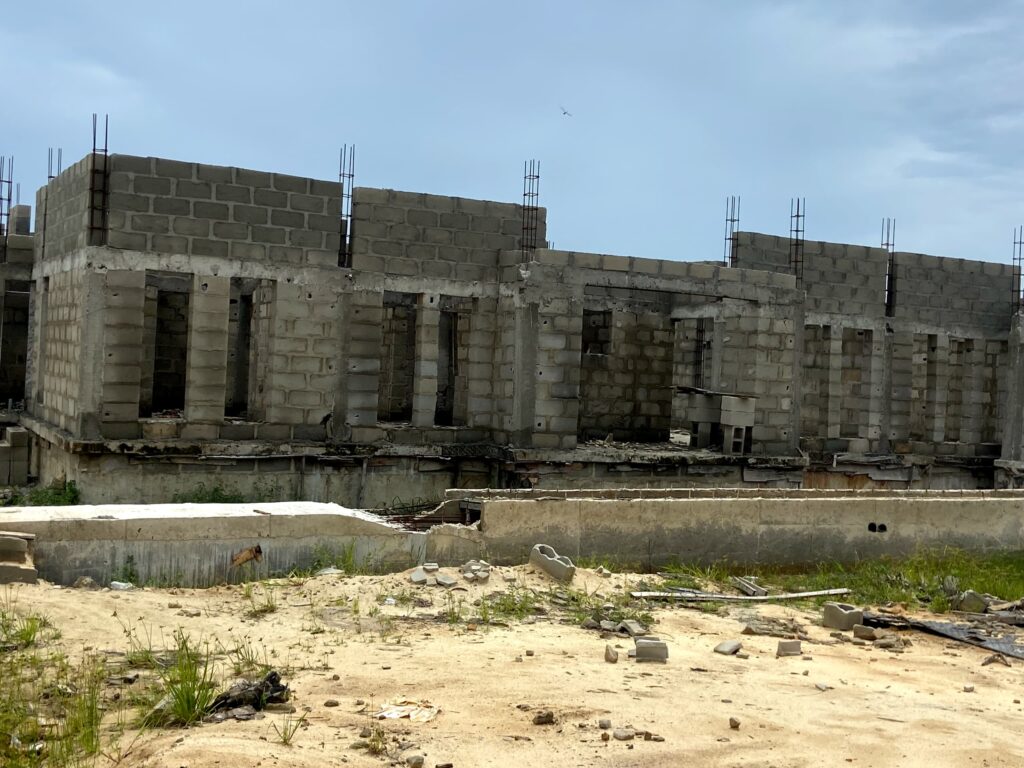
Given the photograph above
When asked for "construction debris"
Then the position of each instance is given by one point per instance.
(748, 586)
(416, 711)
(986, 635)
(682, 595)
(840, 616)
(544, 558)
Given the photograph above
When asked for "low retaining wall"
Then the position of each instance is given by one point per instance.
(192, 544)
(789, 529)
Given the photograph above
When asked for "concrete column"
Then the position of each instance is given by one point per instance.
(122, 346)
(880, 383)
(796, 387)
(424, 383)
(938, 385)
(524, 372)
(973, 402)
(899, 356)
(206, 371)
(362, 365)
(1013, 410)
(714, 375)
(832, 337)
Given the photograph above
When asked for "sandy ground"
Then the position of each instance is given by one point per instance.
(880, 709)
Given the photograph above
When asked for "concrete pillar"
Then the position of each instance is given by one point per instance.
(1013, 410)
(797, 374)
(713, 376)
(973, 398)
(424, 383)
(832, 337)
(122, 346)
(938, 385)
(206, 371)
(524, 372)
(899, 358)
(879, 379)
(362, 364)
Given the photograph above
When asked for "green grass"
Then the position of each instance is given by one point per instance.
(55, 495)
(924, 579)
(50, 710)
(189, 685)
(214, 494)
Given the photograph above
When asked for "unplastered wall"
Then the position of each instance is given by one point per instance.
(626, 380)
(60, 367)
(837, 277)
(167, 206)
(62, 211)
(305, 355)
(953, 293)
(758, 358)
(418, 235)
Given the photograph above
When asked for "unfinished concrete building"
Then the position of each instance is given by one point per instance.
(170, 323)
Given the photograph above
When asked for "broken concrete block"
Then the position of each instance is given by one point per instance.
(972, 602)
(444, 580)
(648, 649)
(789, 648)
(602, 571)
(610, 654)
(633, 628)
(840, 616)
(557, 566)
(729, 647)
(590, 623)
(864, 633)
(604, 724)
(608, 626)
(623, 734)
(469, 577)
(430, 567)
(418, 576)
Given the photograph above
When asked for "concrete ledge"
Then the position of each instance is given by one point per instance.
(192, 544)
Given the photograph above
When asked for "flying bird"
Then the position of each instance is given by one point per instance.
(565, 112)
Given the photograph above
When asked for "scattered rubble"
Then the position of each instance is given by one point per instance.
(546, 717)
(610, 654)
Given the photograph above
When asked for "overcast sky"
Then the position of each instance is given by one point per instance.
(911, 110)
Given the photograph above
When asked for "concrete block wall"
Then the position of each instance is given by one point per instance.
(627, 392)
(408, 234)
(838, 278)
(167, 206)
(62, 212)
(951, 293)
(306, 356)
(20, 247)
(758, 358)
(62, 296)
(124, 352)
(556, 370)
